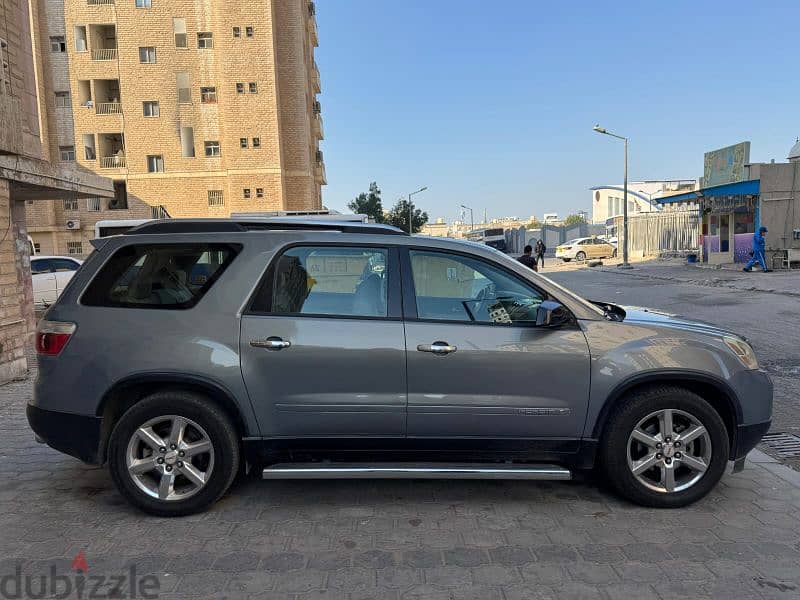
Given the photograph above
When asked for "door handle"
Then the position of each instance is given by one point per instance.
(271, 343)
(440, 348)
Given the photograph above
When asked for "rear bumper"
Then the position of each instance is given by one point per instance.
(747, 437)
(76, 435)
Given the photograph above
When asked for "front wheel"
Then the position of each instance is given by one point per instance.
(566, 259)
(173, 454)
(664, 447)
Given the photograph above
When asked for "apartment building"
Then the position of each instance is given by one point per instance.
(193, 109)
(27, 175)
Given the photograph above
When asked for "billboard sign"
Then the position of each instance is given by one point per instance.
(725, 165)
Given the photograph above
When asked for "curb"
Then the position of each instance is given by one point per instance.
(787, 474)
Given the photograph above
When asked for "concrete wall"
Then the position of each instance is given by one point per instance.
(780, 203)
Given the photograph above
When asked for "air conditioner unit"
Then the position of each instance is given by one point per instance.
(73, 224)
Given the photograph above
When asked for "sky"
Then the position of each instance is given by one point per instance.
(491, 104)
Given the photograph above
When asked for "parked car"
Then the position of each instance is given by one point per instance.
(585, 248)
(51, 274)
(343, 350)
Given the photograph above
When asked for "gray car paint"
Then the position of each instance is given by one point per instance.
(112, 345)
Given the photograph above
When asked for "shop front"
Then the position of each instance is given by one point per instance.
(730, 215)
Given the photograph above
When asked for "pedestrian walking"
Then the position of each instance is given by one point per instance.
(540, 250)
(527, 258)
(759, 241)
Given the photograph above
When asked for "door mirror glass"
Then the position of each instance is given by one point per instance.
(551, 314)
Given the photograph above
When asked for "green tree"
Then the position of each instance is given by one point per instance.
(398, 216)
(574, 219)
(369, 204)
(533, 225)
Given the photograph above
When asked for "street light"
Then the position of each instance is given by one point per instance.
(649, 199)
(471, 217)
(410, 210)
(625, 264)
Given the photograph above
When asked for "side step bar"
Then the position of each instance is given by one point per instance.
(323, 470)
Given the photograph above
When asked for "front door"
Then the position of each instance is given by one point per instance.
(477, 364)
(322, 344)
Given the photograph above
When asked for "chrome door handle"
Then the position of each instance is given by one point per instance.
(440, 348)
(271, 343)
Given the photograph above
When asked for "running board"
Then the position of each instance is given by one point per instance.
(415, 471)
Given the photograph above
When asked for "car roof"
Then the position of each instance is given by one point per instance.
(243, 224)
(39, 256)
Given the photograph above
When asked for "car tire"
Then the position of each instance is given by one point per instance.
(202, 464)
(580, 256)
(621, 452)
(566, 259)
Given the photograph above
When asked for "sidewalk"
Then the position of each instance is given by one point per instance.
(786, 282)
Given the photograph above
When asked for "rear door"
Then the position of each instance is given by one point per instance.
(477, 364)
(45, 290)
(323, 346)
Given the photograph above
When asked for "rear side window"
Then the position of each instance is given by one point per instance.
(166, 276)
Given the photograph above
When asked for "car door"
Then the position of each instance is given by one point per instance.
(322, 344)
(45, 290)
(478, 366)
(64, 269)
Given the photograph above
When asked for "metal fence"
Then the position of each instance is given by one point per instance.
(665, 232)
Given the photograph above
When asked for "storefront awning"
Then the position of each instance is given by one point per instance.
(740, 188)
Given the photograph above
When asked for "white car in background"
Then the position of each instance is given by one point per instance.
(51, 274)
(585, 248)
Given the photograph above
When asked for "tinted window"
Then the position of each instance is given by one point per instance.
(458, 288)
(63, 264)
(159, 276)
(40, 265)
(338, 281)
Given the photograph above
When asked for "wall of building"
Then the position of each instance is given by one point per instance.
(780, 203)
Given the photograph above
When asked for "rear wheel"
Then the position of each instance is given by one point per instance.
(173, 454)
(664, 447)
(566, 259)
(580, 256)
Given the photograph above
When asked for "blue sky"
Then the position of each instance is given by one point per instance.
(491, 104)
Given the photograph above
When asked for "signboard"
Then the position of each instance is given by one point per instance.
(725, 165)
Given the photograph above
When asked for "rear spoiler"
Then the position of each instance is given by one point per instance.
(98, 243)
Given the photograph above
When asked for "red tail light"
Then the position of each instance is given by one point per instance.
(567, 247)
(52, 336)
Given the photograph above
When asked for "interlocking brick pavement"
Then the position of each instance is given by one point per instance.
(393, 540)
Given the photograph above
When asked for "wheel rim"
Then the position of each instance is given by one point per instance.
(580, 256)
(669, 451)
(170, 458)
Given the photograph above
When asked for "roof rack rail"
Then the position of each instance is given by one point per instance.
(258, 224)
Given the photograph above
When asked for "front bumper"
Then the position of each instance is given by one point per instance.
(76, 435)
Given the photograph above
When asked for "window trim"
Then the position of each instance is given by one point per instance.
(394, 302)
(410, 293)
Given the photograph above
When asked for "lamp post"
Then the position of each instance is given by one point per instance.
(411, 210)
(471, 217)
(625, 264)
(649, 199)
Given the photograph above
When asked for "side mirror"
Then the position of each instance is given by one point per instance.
(550, 314)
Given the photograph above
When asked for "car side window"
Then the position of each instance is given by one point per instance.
(64, 264)
(40, 265)
(326, 280)
(453, 287)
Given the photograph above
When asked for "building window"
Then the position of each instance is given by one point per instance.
(246, 193)
(66, 153)
(179, 29)
(257, 142)
(237, 32)
(205, 40)
(74, 248)
(240, 88)
(215, 198)
(58, 43)
(70, 203)
(212, 148)
(184, 85)
(243, 142)
(5, 75)
(150, 108)
(187, 142)
(155, 163)
(208, 95)
(120, 199)
(259, 192)
(253, 87)
(93, 204)
(248, 31)
(89, 147)
(37, 247)
(62, 100)
(144, 3)
(147, 55)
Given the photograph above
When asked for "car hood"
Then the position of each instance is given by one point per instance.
(637, 314)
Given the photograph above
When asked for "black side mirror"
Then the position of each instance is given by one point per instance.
(550, 314)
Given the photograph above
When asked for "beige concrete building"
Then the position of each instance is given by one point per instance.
(193, 109)
(27, 175)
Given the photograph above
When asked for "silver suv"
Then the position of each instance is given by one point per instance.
(184, 352)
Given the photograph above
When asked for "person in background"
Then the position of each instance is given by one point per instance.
(758, 251)
(527, 258)
(540, 250)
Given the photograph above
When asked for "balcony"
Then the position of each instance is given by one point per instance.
(316, 125)
(111, 151)
(319, 169)
(96, 2)
(104, 54)
(315, 79)
(311, 24)
(108, 108)
(112, 162)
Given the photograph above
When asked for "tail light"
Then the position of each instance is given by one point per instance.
(52, 336)
(567, 247)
